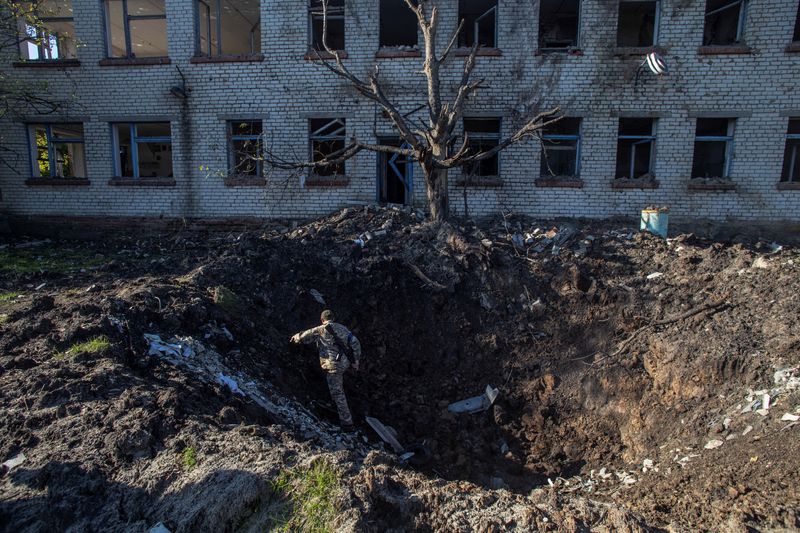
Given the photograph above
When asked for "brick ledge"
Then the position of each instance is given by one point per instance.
(57, 182)
(133, 61)
(47, 63)
(242, 58)
(693, 186)
(391, 53)
(316, 55)
(142, 182)
(621, 185)
(480, 181)
(793, 48)
(327, 182)
(719, 49)
(789, 186)
(245, 182)
(482, 52)
(638, 50)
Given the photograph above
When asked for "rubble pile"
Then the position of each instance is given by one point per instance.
(517, 374)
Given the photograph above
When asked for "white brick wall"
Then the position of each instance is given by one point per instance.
(285, 90)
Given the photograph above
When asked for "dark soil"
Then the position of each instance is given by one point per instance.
(599, 367)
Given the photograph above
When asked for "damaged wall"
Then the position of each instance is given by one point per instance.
(594, 81)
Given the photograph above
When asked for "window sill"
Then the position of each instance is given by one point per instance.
(626, 51)
(243, 58)
(563, 183)
(793, 48)
(482, 52)
(142, 182)
(394, 53)
(133, 61)
(627, 184)
(570, 51)
(316, 55)
(245, 182)
(706, 186)
(718, 49)
(789, 186)
(57, 182)
(327, 182)
(480, 181)
(47, 63)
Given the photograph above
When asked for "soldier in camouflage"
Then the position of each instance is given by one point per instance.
(334, 358)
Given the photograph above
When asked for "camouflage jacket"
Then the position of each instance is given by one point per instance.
(329, 350)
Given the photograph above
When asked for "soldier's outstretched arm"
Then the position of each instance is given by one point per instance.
(307, 336)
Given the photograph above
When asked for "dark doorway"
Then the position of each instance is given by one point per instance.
(395, 176)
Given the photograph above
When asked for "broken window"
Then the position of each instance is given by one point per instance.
(791, 157)
(144, 150)
(635, 147)
(483, 134)
(561, 147)
(713, 148)
(398, 24)
(228, 27)
(335, 16)
(245, 148)
(796, 36)
(136, 28)
(57, 150)
(326, 139)
(480, 23)
(559, 22)
(724, 22)
(637, 24)
(54, 38)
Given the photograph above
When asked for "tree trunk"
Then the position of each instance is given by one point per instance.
(436, 182)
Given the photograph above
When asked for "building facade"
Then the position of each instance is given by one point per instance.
(168, 102)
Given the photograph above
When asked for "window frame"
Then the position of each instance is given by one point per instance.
(743, 5)
(135, 140)
(656, 21)
(232, 138)
(255, 47)
(313, 137)
(791, 178)
(728, 139)
(42, 47)
(51, 150)
(129, 54)
(334, 13)
(578, 138)
(476, 26)
(381, 5)
(641, 140)
(485, 136)
(578, 32)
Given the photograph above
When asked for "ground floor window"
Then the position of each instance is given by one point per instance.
(57, 150)
(144, 150)
(635, 148)
(561, 147)
(483, 134)
(326, 141)
(791, 156)
(713, 148)
(246, 156)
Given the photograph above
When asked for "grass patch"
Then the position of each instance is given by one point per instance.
(94, 345)
(3, 319)
(229, 301)
(189, 458)
(27, 261)
(6, 297)
(308, 495)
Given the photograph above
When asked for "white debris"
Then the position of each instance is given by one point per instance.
(14, 462)
(761, 262)
(713, 444)
(159, 528)
(647, 464)
(655, 275)
(158, 347)
(765, 401)
(317, 296)
(476, 404)
(747, 430)
(789, 417)
(230, 382)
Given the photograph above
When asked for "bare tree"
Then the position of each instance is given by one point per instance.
(433, 144)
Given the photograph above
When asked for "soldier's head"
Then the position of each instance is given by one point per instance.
(327, 316)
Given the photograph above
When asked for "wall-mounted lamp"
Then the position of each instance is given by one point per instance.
(180, 91)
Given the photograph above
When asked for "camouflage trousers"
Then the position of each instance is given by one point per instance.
(336, 386)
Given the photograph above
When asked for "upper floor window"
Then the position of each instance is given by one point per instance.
(335, 25)
(57, 150)
(228, 27)
(480, 23)
(724, 22)
(561, 148)
(713, 148)
(245, 148)
(136, 28)
(791, 157)
(398, 25)
(54, 37)
(637, 24)
(483, 135)
(559, 23)
(144, 150)
(635, 148)
(326, 141)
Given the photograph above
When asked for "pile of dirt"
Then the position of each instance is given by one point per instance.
(643, 383)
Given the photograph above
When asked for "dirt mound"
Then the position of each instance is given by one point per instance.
(642, 383)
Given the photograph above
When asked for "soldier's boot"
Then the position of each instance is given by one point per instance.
(336, 386)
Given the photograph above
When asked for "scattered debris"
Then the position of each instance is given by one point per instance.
(159, 528)
(476, 404)
(158, 347)
(384, 433)
(12, 463)
(655, 275)
(713, 444)
(317, 296)
(231, 383)
(789, 417)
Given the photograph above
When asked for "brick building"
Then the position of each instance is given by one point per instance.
(717, 137)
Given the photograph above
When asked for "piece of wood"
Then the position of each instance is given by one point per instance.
(421, 275)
